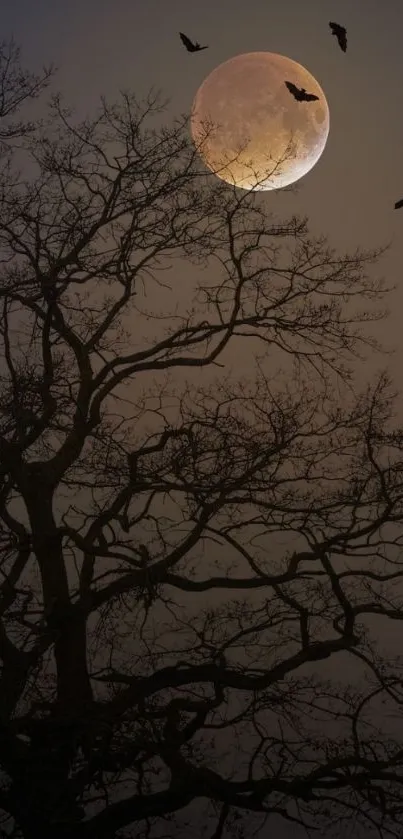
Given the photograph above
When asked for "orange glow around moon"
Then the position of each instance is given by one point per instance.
(248, 128)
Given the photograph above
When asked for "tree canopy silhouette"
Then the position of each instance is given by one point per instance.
(196, 566)
(18, 86)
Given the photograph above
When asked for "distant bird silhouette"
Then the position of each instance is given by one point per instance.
(190, 46)
(300, 94)
(399, 204)
(341, 34)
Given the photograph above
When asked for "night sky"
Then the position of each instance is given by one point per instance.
(102, 46)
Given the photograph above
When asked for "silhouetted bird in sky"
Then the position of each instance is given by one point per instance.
(300, 94)
(190, 46)
(399, 204)
(341, 34)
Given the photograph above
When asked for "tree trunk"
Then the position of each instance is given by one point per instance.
(65, 621)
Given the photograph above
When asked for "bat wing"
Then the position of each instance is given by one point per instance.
(292, 88)
(186, 41)
(341, 34)
(310, 97)
(399, 204)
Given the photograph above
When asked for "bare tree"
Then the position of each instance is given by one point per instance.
(195, 572)
(18, 87)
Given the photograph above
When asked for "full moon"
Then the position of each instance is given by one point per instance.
(248, 128)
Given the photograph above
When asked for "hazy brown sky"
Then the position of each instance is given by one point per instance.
(103, 45)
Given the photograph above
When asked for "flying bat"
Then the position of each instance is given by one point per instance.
(300, 94)
(190, 46)
(341, 34)
(399, 204)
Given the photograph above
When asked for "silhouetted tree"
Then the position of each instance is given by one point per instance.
(18, 86)
(196, 566)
